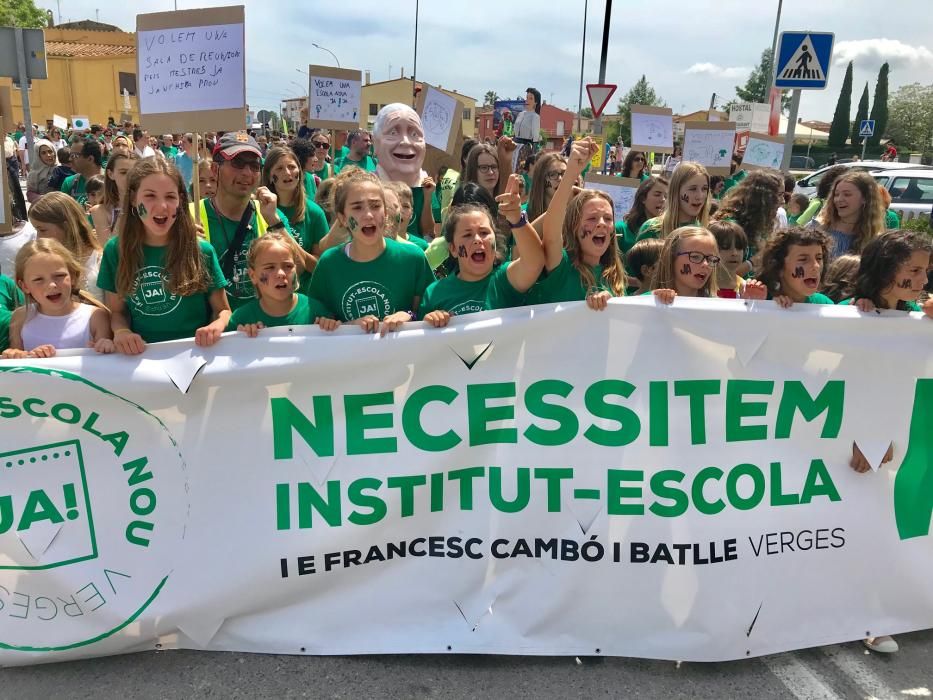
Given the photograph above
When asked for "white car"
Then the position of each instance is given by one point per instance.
(808, 184)
(911, 191)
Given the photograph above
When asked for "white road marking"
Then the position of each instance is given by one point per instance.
(802, 683)
(852, 663)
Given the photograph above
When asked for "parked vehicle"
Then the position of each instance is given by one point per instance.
(807, 185)
(911, 191)
(802, 163)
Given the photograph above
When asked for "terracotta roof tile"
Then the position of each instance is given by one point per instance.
(71, 49)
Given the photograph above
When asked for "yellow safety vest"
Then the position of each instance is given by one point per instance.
(260, 222)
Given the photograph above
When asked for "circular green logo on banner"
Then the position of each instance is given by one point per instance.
(93, 507)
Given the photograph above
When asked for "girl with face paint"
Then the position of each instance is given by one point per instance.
(373, 282)
(399, 210)
(479, 284)
(548, 171)
(274, 262)
(794, 265)
(582, 259)
(893, 272)
(282, 174)
(687, 265)
(105, 215)
(650, 201)
(57, 314)
(688, 202)
(162, 281)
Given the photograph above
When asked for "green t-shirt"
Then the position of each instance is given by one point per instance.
(732, 182)
(10, 294)
(310, 185)
(169, 152)
(309, 231)
(652, 228)
(418, 241)
(304, 313)
(625, 237)
(563, 284)
(908, 306)
(344, 161)
(417, 200)
(458, 297)
(220, 233)
(155, 313)
(75, 186)
(350, 290)
(891, 220)
(324, 172)
(5, 316)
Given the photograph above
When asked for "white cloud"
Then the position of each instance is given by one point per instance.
(712, 70)
(877, 51)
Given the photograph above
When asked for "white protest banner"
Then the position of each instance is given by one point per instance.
(620, 189)
(710, 144)
(192, 67)
(80, 123)
(59, 122)
(653, 481)
(440, 114)
(334, 97)
(652, 129)
(763, 151)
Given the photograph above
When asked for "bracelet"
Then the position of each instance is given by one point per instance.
(122, 330)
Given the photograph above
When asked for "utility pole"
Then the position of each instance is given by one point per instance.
(582, 62)
(598, 123)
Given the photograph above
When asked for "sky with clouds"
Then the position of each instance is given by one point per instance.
(688, 49)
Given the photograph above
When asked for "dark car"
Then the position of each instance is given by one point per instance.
(802, 163)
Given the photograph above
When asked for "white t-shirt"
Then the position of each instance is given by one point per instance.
(58, 145)
(780, 220)
(24, 150)
(10, 245)
(146, 152)
(528, 126)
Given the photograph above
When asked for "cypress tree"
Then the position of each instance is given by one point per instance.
(839, 130)
(879, 107)
(861, 114)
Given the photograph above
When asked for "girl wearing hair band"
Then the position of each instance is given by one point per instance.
(477, 284)
(162, 281)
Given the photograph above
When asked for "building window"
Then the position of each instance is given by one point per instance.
(128, 83)
(467, 113)
(560, 128)
(373, 109)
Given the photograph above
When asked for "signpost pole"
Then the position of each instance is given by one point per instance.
(24, 88)
(791, 125)
(598, 123)
(864, 146)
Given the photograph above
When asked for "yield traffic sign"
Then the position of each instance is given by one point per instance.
(866, 128)
(803, 60)
(599, 94)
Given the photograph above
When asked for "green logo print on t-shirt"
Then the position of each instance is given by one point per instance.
(152, 296)
(241, 287)
(366, 299)
(470, 306)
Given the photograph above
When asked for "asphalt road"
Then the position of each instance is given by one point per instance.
(841, 671)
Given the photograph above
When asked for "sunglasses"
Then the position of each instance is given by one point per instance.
(321, 144)
(697, 258)
(239, 163)
(638, 159)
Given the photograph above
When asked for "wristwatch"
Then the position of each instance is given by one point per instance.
(523, 221)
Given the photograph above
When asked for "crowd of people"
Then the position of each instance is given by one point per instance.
(114, 252)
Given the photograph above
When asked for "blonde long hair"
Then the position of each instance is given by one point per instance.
(61, 210)
(670, 219)
(664, 273)
(185, 268)
(272, 158)
(49, 246)
(611, 261)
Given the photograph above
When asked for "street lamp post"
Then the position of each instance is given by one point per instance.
(318, 46)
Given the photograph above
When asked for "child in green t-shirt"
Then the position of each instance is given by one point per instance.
(893, 272)
(161, 281)
(793, 264)
(273, 264)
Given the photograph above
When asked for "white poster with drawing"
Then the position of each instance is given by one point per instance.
(763, 152)
(334, 97)
(438, 117)
(652, 129)
(710, 144)
(620, 189)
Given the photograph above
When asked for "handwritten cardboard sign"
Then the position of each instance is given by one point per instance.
(763, 151)
(440, 114)
(652, 129)
(192, 70)
(621, 189)
(334, 97)
(710, 144)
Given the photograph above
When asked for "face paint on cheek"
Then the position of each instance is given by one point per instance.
(906, 284)
(275, 179)
(353, 224)
(141, 211)
(685, 198)
(587, 232)
(685, 270)
(398, 218)
(798, 273)
(461, 251)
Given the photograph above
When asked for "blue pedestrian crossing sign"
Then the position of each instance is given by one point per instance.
(803, 60)
(866, 127)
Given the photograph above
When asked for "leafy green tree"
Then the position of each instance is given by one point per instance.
(879, 107)
(839, 129)
(586, 112)
(911, 119)
(641, 94)
(490, 99)
(22, 13)
(758, 86)
(860, 114)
